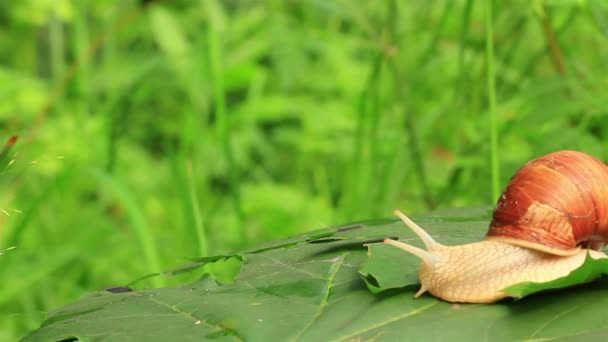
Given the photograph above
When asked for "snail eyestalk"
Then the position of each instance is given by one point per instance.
(424, 236)
(426, 256)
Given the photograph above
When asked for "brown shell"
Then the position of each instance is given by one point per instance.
(555, 203)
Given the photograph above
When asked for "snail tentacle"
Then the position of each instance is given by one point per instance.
(420, 292)
(427, 257)
(424, 236)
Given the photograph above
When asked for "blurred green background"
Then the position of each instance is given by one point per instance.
(155, 131)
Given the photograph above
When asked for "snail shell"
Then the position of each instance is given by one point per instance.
(555, 204)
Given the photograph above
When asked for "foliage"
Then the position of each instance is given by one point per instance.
(307, 288)
(155, 131)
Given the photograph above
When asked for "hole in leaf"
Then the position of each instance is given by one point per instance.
(352, 227)
(119, 289)
(324, 240)
(69, 339)
(226, 270)
(223, 267)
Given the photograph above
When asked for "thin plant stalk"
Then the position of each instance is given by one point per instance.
(56, 48)
(463, 37)
(414, 146)
(7, 149)
(140, 226)
(222, 122)
(359, 180)
(196, 214)
(491, 83)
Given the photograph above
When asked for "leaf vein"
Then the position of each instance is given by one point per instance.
(333, 271)
(381, 324)
(197, 320)
(291, 267)
(555, 318)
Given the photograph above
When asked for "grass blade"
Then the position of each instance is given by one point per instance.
(491, 82)
(7, 148)
(138, 222)
(198, 221)
(223, 126)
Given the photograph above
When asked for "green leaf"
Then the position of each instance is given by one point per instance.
(308, 288)
(170, 38)
(589, 271)
(386, 268)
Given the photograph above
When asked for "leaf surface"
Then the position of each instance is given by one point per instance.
(308, 288)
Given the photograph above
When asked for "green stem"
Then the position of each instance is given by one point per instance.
(463, 37)
(358, 183)
(196, 214)
(142, 230)
(219, 99)
(555, 51)
(414, 146)
(492, 101)
(57, 49)
(6, 150)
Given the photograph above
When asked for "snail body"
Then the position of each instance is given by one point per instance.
(479, 272)
(553, 207)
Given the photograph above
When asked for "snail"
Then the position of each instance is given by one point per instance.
(553, 213)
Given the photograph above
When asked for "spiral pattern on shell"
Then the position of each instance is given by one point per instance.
(555, 203)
